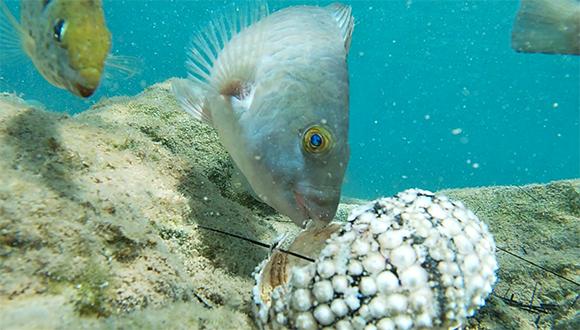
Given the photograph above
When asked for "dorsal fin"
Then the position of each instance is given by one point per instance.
(343, 15)
(208, 43)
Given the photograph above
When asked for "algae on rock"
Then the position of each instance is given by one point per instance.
(99, 211)
(99, 218)
(540, 223)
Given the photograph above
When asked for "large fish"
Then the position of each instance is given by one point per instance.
(275, 87)
(547, 26)
(67, 40)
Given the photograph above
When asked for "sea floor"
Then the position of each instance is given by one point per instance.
(102, 220)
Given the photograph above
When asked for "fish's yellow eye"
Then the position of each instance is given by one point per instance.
(316, 139)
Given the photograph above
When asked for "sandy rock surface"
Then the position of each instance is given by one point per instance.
(100, 219)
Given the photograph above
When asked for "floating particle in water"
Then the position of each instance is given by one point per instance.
(456, 131)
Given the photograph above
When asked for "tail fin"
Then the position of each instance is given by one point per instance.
(10, 35)
(547, 26)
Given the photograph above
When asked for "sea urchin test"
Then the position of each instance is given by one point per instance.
(413, 261)
(275, 87)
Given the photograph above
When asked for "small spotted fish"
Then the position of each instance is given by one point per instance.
(547, 26)
(67, 41)
(275, 87)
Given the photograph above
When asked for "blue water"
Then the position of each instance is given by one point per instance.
(438, 97)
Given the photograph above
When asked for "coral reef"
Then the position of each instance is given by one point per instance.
(101, 219)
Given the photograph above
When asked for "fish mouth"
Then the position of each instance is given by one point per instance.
(89, 80)
(301, 203)
(84, 91)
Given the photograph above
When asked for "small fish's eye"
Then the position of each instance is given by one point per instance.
(316, 139)
(59, 29)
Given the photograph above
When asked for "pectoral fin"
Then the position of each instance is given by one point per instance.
(191, 99)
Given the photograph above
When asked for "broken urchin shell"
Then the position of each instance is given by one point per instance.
(412, 261)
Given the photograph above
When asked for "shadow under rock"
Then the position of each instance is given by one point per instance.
(212, 210)
(39, 150)
(240, 191)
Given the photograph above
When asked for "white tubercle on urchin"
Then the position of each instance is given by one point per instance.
(412, 261)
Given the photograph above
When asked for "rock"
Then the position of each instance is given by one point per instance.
(101, 215)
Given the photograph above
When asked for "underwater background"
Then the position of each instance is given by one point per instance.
(438, 97)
